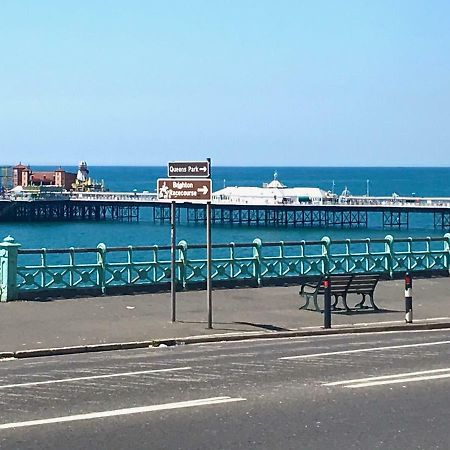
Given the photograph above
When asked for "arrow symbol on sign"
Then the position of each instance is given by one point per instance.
(203, 169)
(203, 190)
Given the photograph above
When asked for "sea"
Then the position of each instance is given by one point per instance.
(377, 181)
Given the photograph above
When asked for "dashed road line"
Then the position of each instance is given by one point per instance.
(123, 412)
(93, 377)
(388, 378)
(401, 380)
(364, 350)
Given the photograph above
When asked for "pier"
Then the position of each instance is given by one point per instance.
(323, 216)
(349, 212)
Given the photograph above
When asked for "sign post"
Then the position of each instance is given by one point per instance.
(188, 182)
(208, 260)
(173, 279)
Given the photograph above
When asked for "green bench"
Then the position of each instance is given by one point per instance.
(341, 286)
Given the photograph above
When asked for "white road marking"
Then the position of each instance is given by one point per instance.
(395, 321)
(397, 381)
(271, 341)
(386, 377)
(363, 350)
(384, 322)
(123, 412)
(93, 377)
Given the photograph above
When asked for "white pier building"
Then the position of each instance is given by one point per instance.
(273, 193)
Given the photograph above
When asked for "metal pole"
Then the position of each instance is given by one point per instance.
(208, 258)
(327, 303)
(408, 299)
(173, 279)
(208, 264)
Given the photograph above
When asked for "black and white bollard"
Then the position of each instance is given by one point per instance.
(326, 283)
(408, 299)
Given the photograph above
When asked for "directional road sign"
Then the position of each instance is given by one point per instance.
(185, 190)
(183, 169)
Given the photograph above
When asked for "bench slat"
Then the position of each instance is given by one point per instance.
(362, 286)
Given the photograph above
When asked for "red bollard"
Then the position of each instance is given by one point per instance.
(326, 283)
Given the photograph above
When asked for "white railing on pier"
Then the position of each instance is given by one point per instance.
(137, 197)
(375, 202)
(397, 201)
(419, 203)
(114, 196)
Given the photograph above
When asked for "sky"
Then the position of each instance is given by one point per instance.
(247, 83)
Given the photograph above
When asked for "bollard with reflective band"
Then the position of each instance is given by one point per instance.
(408, 299)
(327, 303)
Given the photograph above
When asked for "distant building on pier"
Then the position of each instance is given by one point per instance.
(273, 193)
(84, 183)
(24, 176)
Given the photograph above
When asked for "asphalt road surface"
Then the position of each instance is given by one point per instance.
(368, 391)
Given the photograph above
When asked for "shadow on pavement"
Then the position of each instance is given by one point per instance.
(264, 326)
(365, 311)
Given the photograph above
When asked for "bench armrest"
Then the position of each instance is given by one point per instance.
(308, 288)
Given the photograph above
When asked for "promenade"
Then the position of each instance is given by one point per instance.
(146, 317)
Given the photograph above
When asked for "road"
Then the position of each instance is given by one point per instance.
(367, 391)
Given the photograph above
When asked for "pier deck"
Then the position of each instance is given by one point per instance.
(356, 212)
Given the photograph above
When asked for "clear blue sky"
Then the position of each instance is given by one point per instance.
(245, 82)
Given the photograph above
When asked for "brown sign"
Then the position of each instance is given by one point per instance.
(183, 169)
(184, 190)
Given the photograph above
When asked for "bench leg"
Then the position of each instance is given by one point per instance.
(372, 303)
(306, 305)
(316, 303)
(335, 303)
(361, 304)
(308, 300)
(335, 306)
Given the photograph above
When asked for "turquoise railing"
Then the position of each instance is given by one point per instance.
(106, 268)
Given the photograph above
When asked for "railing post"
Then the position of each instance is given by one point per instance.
(447, 251)
(389, 250)
(183, 262)
(232, 259)
(101, 263)
(8, 269)
(326, 241)
(281, 259)
(257, 256)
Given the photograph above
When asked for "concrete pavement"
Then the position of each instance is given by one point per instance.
(146, 317)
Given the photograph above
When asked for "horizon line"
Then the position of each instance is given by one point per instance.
(242, 166)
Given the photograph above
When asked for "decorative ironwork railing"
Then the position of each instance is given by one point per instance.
(105, 268)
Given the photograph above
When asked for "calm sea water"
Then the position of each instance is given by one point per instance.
(382, 181)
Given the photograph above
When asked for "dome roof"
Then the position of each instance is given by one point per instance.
(275, 184)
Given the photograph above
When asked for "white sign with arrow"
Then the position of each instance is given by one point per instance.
(181, 169)
(185, 190)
